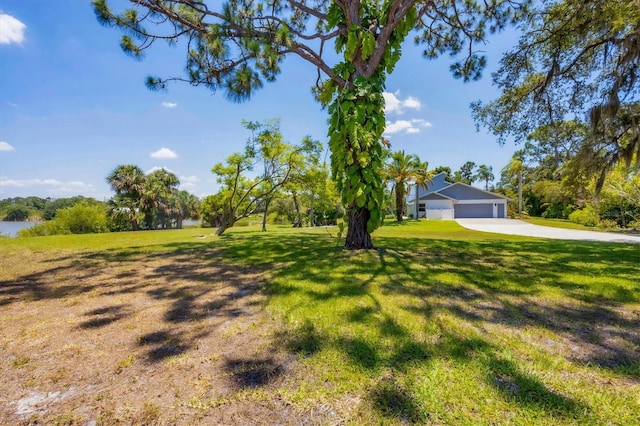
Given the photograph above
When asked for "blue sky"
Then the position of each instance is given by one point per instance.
(73, 106)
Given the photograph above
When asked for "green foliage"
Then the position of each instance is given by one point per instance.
(82, 218)
(241, 194)
(485, 174)
(16, 213)
(400, 170)
(587, 216)
(574, 58)
(152, 201)
(466, 173)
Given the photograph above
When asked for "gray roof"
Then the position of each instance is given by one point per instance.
(440, 188)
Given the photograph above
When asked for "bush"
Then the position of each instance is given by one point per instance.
(587, 216)
(42, 229)
(608, 225)
(82, 218)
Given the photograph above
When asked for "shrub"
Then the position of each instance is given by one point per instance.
(42, 229)
(82, 218)
(608, 224)
(587, 216)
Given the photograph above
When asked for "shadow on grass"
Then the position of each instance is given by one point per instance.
(192, 290)
(576, 291)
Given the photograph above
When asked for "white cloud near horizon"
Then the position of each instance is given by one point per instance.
(44, 182)
(406, 126)
(154, 168)
(11, 29)
(169, 104)
(6, 146)
(164, 153)
(394, 105)
(188, 182)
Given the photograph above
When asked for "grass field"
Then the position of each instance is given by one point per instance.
(440, 325)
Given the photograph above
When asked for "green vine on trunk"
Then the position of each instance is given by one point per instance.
(357, 122)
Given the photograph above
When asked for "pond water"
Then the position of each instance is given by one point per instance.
(11, 228)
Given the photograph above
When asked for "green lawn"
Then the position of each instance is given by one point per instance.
(558, 223)
(440, 325)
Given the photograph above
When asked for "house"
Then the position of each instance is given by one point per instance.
(446, 200)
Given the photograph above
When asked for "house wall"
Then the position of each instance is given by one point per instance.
(439, 204)
(440, 214)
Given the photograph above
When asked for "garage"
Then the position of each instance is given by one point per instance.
(468, 211)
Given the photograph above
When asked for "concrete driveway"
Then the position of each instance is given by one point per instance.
(518, 227)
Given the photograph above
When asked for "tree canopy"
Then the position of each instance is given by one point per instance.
(575, 62)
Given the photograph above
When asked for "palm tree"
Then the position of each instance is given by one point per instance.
(401, 170)
(485, 173)
(516, 168)
(155, 200)
(128, 181)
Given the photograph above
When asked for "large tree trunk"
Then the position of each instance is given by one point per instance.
(312, 213)
(399, 203)
(264, 215)
(226, 222)
(298, 222)
(358, 236)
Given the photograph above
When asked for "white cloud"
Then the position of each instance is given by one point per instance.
(164, 153)
(190, 179)
(406, 126)
(394, 105)
(397, 126)
(6, 146)
(11, 30)
(169, 104)
(154, 168)
(30, 182)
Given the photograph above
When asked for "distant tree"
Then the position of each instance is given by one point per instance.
(441, 169)
(270, 149)
(235, 45)
(401, 170)
(485, 174)
(16, 213)
(183, 205)
(516, 168)
(466, 173)
(52, 207)
(155, 201)
(241, 194)
(128, 181)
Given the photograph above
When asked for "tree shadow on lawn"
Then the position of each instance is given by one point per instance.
(511, 284)
(507, 283)
(186, 292)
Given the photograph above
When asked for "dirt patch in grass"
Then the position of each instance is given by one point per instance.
(140, 338)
